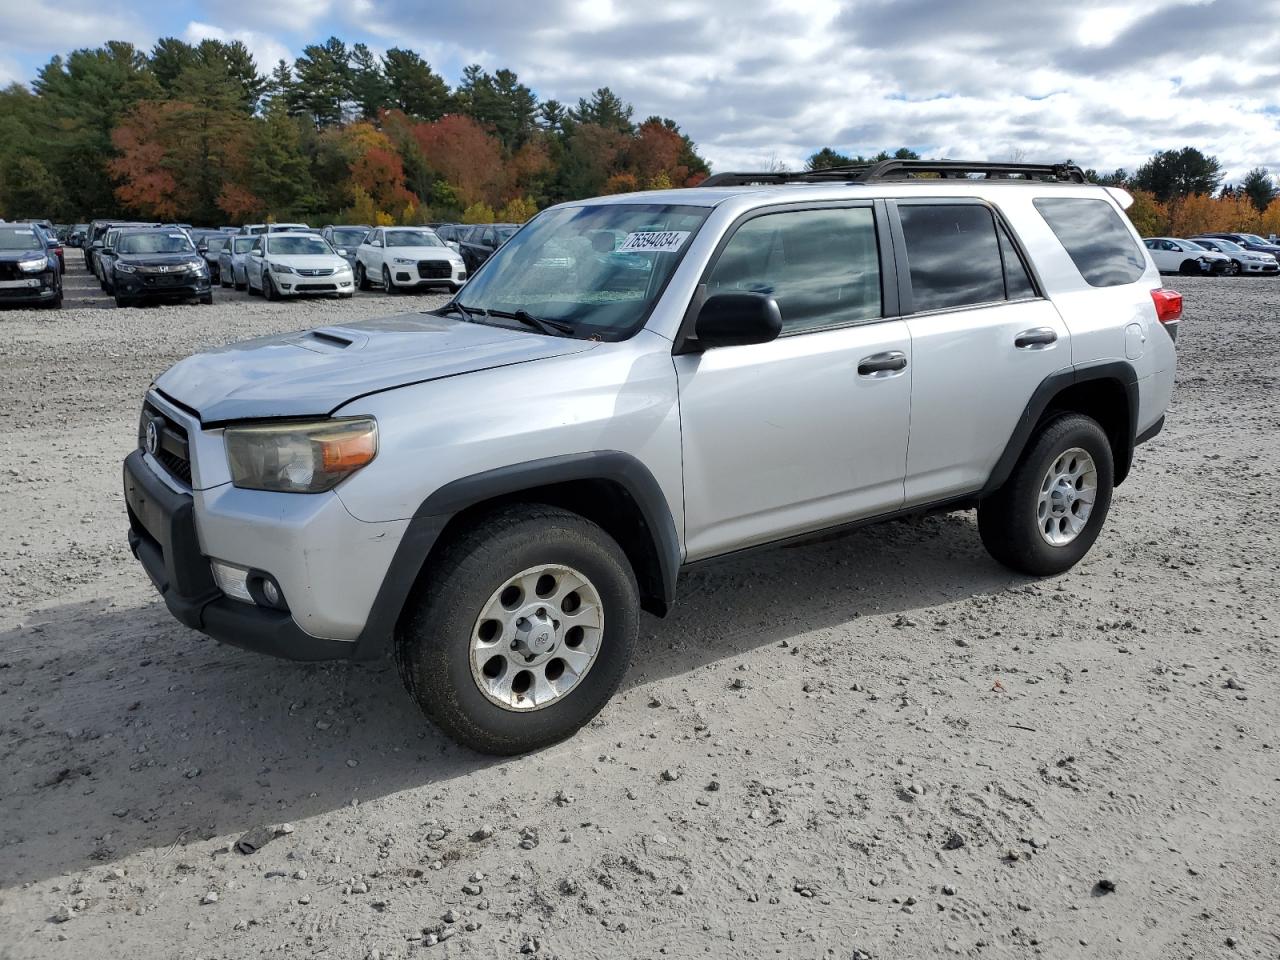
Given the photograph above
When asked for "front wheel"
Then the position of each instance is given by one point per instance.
(387, 285)
(269, 287)
(523, 631)
(1233, 268)
(362, 277)
(1051, 509)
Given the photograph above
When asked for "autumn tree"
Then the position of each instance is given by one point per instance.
(459, 151)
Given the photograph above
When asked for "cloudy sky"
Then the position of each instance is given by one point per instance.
(753, 81)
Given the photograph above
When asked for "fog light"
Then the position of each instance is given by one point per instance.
(271, 592)
(232, 580)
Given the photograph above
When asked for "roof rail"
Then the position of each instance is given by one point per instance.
(886, 170)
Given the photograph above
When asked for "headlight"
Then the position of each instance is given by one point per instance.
(404, 260)
(34, 266)
(343, 267)
(122, 267)
(281, 268)
(300, 457)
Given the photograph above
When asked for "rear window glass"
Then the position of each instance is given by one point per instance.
(953, 255)
(1095, 238)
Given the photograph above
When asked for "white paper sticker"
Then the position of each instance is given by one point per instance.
(657, 241)
(177, 236)
(25, 233)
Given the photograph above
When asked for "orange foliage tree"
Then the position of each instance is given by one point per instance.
(458, 150)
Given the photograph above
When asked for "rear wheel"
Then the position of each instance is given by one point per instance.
(523, 631)
(1051, 509)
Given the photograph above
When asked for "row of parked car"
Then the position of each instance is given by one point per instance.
(1217, 254)
(280, 259)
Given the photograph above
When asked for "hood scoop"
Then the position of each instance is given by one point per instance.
(331, 340)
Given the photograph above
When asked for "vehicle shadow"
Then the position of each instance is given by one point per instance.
(123, 732)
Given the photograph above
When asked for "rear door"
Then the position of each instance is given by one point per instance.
(810, 430)
(982, 339)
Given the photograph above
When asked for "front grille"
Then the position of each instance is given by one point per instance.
(172, 450)
(10, 271)
(434, 269)
(168, 280)
(315, 288)
(315, 272)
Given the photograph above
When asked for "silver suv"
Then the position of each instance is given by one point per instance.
(633, 385)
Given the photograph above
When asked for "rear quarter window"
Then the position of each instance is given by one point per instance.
(1096, 239)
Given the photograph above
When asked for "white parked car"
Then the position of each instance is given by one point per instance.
(1175, 255)
(401, 257)
(295, 264)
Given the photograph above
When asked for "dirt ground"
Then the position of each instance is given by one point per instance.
(880, 746)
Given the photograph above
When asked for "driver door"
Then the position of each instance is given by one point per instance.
(810, 430)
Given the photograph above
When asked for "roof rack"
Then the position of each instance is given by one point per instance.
(908, 170)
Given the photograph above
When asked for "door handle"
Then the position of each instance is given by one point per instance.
(882, 364)
(1035, 338)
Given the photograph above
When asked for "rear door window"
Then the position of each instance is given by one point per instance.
(953, 255)
(1095, 238)
(821, 266)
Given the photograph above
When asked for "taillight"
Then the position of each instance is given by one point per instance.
(1168, 305)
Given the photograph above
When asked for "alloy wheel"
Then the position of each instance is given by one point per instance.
(1067, 495)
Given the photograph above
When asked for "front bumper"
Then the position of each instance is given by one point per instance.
(296, 285)
(329, 565)
(1256, 267)
(37, 289)
(160, 286)
(427, 274)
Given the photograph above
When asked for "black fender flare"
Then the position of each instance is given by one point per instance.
(435, 512)
(1050, 387)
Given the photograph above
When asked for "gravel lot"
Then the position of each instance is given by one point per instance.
(883, 746)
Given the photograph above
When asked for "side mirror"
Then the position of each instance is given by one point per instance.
(737, 319)
(342, 252)
(203, 248)
(453, 245)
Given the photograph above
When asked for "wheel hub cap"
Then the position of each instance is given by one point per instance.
(1067, 495)
(536, 637)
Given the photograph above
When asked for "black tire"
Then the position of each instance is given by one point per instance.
(239, 286)
(1234, 268)
(362, 278)
(207, 299)
(1008, 520)
(269, 287)
(433, 641)
(1189, 268)
(387, 285)
(249, 287)
(123, 301)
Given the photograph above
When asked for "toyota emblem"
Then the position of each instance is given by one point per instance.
(153, 437)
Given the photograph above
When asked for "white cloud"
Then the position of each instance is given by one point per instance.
(266, 49)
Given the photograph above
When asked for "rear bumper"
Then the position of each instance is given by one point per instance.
(162, 535)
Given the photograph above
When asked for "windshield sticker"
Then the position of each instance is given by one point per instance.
(664, 241)
(177, 236)
(24, 233)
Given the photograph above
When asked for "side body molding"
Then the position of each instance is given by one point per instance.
(435, 513)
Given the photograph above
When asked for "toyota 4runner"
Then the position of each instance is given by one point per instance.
(631, 385)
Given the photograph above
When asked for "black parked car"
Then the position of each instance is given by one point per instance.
(75, 238)
(211, 246)
(346, 239)
(1250, 241)
(29, 270)
(158, 265)
(478, 242)
(94, 239)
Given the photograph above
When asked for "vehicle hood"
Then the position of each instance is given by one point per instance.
(159, 259)
(422, 253)
(314, 372)
(13, 256)
(307, 261)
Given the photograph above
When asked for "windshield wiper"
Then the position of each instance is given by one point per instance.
(541, 324)
(453, 306)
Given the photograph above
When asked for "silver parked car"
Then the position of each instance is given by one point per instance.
(233, 261)
(635, 385)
